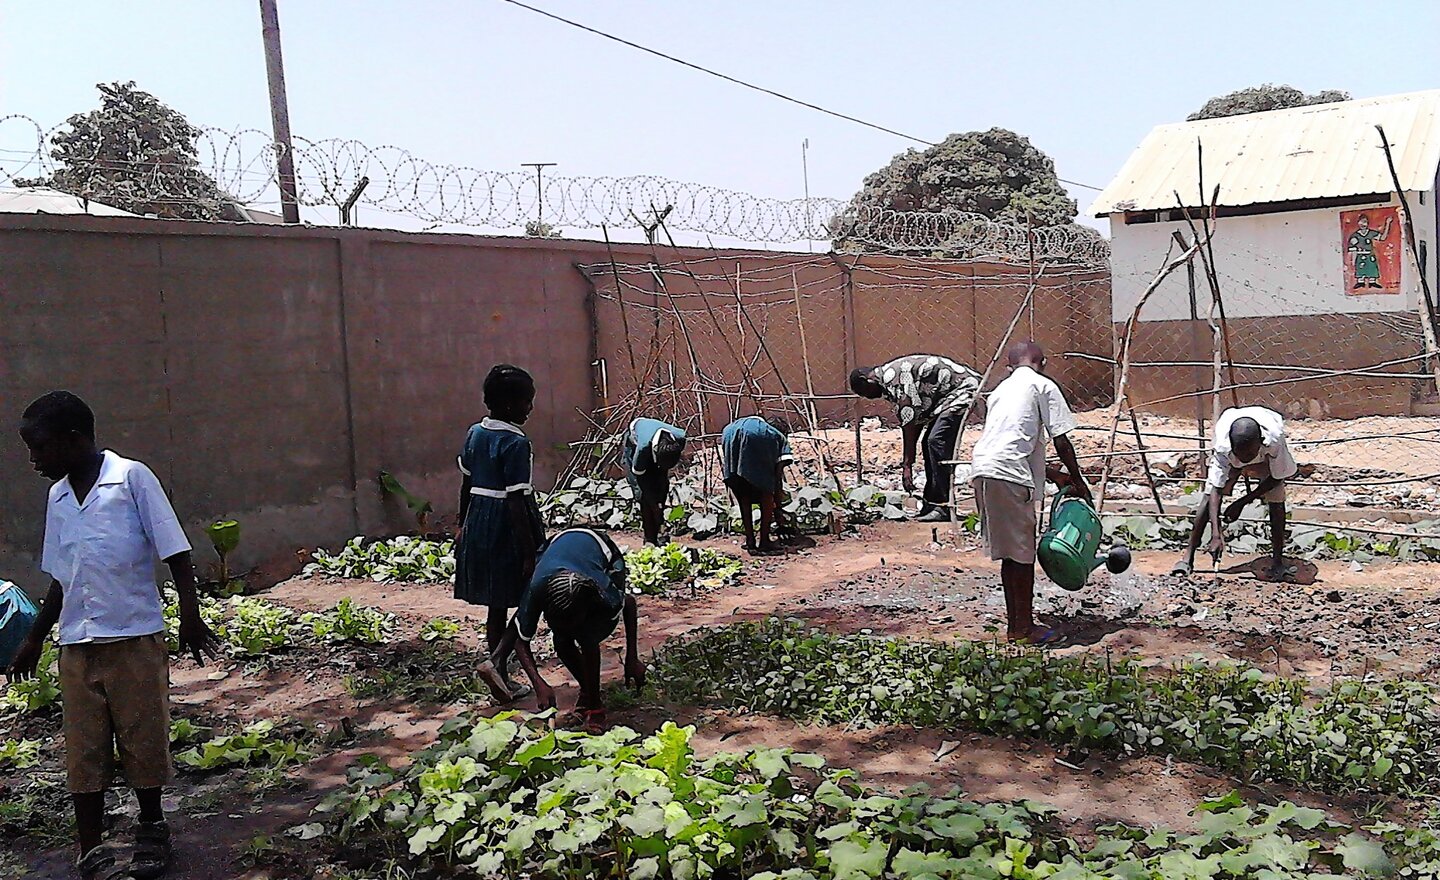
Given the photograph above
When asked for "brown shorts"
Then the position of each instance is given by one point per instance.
(1258, 471)
(1007, 519)
(116, 697)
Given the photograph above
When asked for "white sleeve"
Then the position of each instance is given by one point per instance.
(1282, 463)
(1219, 471)
(1059, 420)
(157, 517)
(50, 552)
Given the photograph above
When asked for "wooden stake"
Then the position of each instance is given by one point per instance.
(1428, 324)
(1121, 403)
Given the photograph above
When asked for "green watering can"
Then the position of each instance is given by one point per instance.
(1068, 549)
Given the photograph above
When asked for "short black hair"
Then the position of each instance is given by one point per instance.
(668, 448)
(506, 386)
(1245, 429)
(859, 377)
(63, 413)
(569, 596)
(779, 423)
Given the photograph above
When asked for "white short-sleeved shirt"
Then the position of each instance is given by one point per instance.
(1012, 447)
(1274, 451)
(103, 550)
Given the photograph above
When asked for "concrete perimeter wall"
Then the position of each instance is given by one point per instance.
(268, 374)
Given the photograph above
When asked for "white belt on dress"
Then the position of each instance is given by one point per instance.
(500, 493)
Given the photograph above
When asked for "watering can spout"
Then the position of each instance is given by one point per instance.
(1116, 561)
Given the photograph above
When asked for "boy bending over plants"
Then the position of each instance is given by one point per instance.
(579, 588)
(753, 453)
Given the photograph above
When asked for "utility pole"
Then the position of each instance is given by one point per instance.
(805, 170)
(539, 192)
(279, 110)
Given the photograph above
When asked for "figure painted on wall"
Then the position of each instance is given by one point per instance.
(1372, 255)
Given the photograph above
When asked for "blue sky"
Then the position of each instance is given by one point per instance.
(486, 84)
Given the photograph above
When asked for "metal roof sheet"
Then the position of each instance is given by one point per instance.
(43, 200)
(1315, 152)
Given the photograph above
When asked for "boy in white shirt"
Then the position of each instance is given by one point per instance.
(1008, 475)
(107, 522)
(1249, 441)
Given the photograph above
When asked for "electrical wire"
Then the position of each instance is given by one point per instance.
(749, 85)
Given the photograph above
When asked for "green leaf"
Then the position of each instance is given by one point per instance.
(1365, 855)
(850, 859)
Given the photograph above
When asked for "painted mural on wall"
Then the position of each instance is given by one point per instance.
(1370, 239)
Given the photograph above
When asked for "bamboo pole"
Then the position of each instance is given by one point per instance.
(1121, 389)
(1428, 325)
(980, 389)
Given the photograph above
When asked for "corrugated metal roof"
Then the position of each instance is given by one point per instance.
(43, 200)
(1315, 152)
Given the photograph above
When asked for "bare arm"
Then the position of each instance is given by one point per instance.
(1066, 451)
(28, 657)
(1233, 512)
(544, 693)
(909, 437)
(195, 636)
(634, 669)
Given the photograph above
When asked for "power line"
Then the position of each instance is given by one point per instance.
(741, 82)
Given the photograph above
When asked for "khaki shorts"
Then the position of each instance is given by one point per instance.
(116, 697)
(1258, 471)
(1007, 519)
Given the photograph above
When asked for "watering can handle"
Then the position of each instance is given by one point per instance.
(1061, 496)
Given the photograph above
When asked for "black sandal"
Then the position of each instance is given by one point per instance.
(99, 864)
(152, 850)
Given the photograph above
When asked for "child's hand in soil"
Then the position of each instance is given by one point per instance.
(634, 673)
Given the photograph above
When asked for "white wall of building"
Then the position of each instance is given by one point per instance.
(1290, 263)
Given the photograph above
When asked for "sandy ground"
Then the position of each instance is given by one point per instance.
(1385, 462)
(890, 578)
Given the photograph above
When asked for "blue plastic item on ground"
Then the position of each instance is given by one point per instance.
(17, 615)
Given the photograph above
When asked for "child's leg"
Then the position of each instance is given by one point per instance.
(650, 519)
(747, 513)
(590, 684)
(89, 739)
(139, 669)
(89, 819)
(767, 515)
(569, 652)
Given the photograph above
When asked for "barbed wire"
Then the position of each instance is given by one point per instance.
(244, 164)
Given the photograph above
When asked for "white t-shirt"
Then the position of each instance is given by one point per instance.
(102, 549)
(1273, 448)
(1012, 447)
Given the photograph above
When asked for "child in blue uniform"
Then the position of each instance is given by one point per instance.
(500, 522)
(754, 453)
(652, 449)
(579, 588)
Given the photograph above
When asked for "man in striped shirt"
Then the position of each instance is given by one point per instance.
(932, 395)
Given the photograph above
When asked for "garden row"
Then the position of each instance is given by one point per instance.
(1381, 737)
(506, 796)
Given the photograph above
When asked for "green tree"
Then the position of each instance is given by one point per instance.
(137, 154)
(996, 174)
(1264, 97)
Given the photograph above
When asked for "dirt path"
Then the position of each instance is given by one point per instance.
(890, 578)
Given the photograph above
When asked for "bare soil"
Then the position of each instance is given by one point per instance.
(900, 578)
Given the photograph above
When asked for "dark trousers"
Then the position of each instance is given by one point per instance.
(937, 446)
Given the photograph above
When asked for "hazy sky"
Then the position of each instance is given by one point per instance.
(489, 85)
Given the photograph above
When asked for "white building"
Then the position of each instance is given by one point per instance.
(1309, 274)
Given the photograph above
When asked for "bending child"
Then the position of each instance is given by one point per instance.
(107, 522)
(579, 588)
(1249, 441)
(652, 449)
(501, 526)
(753, 454)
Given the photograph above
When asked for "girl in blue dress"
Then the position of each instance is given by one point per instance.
(753, 455)
(500, 527)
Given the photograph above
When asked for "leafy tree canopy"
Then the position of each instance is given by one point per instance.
(996, 174)
(137, 154)
(1264, 97)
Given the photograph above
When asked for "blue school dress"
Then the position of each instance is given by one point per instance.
(640, 470)
(751, 448)
(495, 464)
(590, 554)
